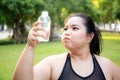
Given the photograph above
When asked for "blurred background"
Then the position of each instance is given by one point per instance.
(18, 16)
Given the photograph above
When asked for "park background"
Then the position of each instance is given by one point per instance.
(18, 16)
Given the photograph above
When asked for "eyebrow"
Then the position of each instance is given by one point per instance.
(72, 25)
(75, 25)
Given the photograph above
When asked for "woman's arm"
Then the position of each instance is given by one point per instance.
(24, 67)
(115, 71)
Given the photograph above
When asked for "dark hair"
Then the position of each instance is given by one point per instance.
(96, 43)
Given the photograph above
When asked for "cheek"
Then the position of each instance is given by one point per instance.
(80, 35)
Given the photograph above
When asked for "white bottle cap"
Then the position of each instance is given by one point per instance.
(44, 13)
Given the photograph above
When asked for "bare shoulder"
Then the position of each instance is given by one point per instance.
(109, 67)
(105, 61)
(54, 58)
(47, 65)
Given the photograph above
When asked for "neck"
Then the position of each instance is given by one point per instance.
(81, 54)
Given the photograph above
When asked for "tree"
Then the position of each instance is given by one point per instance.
(116, 12)
(15, 13)
(109, 11)
(116, 9)
(59, 10)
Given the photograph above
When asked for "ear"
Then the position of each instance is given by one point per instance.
(90, 37)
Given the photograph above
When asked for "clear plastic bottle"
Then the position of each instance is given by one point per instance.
(45, 21)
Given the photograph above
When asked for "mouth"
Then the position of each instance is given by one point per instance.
(66, 38)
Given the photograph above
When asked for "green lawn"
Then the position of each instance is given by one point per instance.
(9, 54)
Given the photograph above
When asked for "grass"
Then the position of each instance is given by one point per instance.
(9, 54)
(111, 46)
(111, 50)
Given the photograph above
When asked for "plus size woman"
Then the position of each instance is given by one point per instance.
(82, 61)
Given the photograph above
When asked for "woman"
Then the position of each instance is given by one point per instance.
(82, 62)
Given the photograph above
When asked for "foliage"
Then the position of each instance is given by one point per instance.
(17, 13)
(109, 11)
(6, 42)
(84, 6)
(60, 10)
(20, 9)
(116, 11)
(104, 10)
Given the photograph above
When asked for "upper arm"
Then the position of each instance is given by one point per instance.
(115, 71)
(42, 71)
(110, 69)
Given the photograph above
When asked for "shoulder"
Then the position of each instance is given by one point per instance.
(109, 67)
(48, 65)
(53, 59)
(105, 61)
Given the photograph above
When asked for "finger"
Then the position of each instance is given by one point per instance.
(38, 28)
(39, 34)
(36, 23)
(35, 34)
(34, 41)
(32, 38)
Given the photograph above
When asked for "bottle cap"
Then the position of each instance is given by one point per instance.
(44, 13)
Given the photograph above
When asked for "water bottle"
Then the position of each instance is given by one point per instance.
(45, 21)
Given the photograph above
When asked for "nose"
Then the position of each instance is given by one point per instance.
(67, 32)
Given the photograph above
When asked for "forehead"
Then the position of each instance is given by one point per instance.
(75, 20)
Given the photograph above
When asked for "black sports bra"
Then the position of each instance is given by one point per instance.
(69, 74)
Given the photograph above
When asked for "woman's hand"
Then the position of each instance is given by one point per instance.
(32, 39)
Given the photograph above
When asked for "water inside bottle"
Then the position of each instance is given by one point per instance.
(45, 21)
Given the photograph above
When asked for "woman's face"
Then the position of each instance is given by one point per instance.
(75, 35)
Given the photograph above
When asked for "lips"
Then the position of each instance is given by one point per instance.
(66, 38)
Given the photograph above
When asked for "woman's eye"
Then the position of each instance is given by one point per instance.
(65, 29)
(75, 28)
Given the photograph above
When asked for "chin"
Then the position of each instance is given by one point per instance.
(69, 47)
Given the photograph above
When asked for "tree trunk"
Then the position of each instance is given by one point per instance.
(104, 26)
(52, 29)
(110, 26)
(115, 29)
(19, 32)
